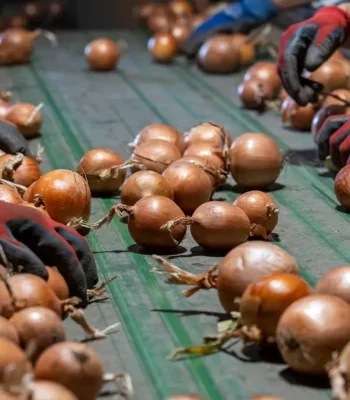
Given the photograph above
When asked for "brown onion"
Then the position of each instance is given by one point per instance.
(181, 30)
(57, 283)
(18, 21)
(245, 49)
(163, 47)
(266, 73)
(147, 10)
(160, 22)
(311, 330)
(55, 9)
(39, 326)
(342, 186)
(247, 263)
(8, 331)
(4, 109)
(216, 225)
(191, 185)
(342, 93)
(333, 74)
(298, 117)
(213, 154)
(254, 94)
(29, 291)
(73, 365)
(34, 10)
(98, 167)
(16, 46)
(65, 193)
(207, 132)
(180, 8)
(103, 54)
(11, 354)
(142, 184)
(47, 390)
(255, 160)
(265, 300)
(162, 132)
(322, 114)
(9, 194)
(261, 210)
(25, 174)
(335, 282)
(155, 155)
(27, 118)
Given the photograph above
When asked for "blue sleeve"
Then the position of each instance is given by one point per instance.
(261, 10)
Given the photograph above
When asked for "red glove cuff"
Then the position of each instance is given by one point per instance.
(332, 16)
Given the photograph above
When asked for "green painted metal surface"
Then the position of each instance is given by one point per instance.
(84, 109)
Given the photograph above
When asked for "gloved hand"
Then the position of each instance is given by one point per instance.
(308, 45)
(240, 16)
(12, 141)
(334, 139)
(32, 240)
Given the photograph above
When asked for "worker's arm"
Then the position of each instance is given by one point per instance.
(307, 45)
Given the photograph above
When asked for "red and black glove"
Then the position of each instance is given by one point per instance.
(12, 141)
(307, 45)
(32, 240)
(333, 139)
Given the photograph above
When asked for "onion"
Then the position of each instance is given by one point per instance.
(9, 194)
(266, 73)
(180, 8)
(322, 114)
(247, 263)
(28, 291)
(34, 11)
(244, 48)
(265, 300)
(311, 330)
(98, 166)
(11, 354)
(55, 9)
(65, 193)
(4, 109)
(160, 22)
(103, 54)
(162, 132)
(333, 74)
(147, 10)
(342, 93)
(57, 283)
(217, 55)
(213, 154)
(191, 185)
(16, 46)
(216, 225)
(18, 21)
(254, 94)
(207, 132)
(39, 326)
(25, 173)
(298, 117)
(261, 210)
(156, 155)
(27, 118)
(197, 20)
(7, 331)
(73, 365)
(143, 184)
(342, 186)
(163, 47)
(335, 282)
(181, 30)
(255, 160)
(46, 390)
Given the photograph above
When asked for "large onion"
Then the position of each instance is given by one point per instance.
(65, 193)
(98, 166)
(191, 185)
(261, 210)
(335, 282)
(103, 54)
(11, 354)
(156, 154)
(212, 153)
(142, 184)
(298, 117)
(311, 330)
(342, 186)
(255, 160)
(162, 132)
(163, 47)
(26, 117)
(207, 132)
(244, 47)
(25, 173)
(333, 74)
(266, 73)
(216, 225)
(73, 365)
(16, 46)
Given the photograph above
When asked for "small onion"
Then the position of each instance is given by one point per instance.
(181, 30)
(191, 185)
(255, 160)
(213, 154)
(247, 263)
(98, 167)
(16, 46)
(160, 22)
(102, 54)
(265, 300)
(55, 9)
(25, 174)
(254, 94)
(162, 132)
(342, 186)
(65, 193)
(244, 48)
(11, 354)
(9, 194)
(216, 225)
(27, 118)
(39, 326)
(261, 210)
(155, 155)
(333, 74)
(57, 283)
(34, 10)
(8, 331)
(342, 93)
(147, 10)
(180, 8)
(46, 390)
(311, 330)
(322, 114)
(207, 132)
(142, 184)
(298, 117)
(163, 47)
(266, 73)
(73, 365)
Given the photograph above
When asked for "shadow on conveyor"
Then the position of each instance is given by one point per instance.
(221, 316)
(293, 378)
(135, 248)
